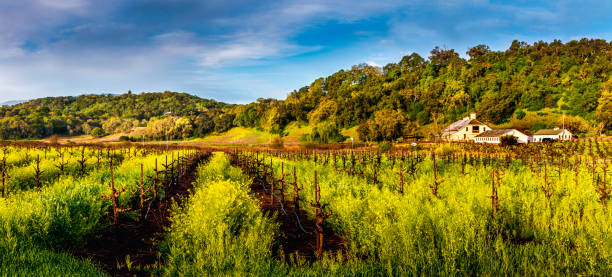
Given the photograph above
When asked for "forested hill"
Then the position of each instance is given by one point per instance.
(526, 86)
(82, 114)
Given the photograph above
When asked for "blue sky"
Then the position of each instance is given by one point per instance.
(238, 51)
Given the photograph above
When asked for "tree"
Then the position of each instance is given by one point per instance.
(390, 124)
(478, 51)
(183, 128)
(203, 124)
(508, 140)
(224, 122)
(97, 132)
(325, 132)
(604, 108)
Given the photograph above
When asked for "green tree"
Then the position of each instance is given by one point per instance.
(604, 107)
(97, 132)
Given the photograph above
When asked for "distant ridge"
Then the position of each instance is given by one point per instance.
(12, 102)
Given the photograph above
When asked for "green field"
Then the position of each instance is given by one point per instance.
(451, 209)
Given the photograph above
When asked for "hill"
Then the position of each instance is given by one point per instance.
(12, 102)
(107, 114)
(528, 87)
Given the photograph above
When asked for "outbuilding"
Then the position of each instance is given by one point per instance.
(494, 136)
(552, 134)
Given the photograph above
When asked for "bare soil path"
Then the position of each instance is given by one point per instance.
(297, 227)
(139, 240)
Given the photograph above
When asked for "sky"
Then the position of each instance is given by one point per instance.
(238, 51)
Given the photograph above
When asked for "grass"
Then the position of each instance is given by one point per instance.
(221, 230)
(239, 135)
(418, 234)
(36, 226)
(253, 136)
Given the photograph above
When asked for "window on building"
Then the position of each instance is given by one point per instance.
(475, 129)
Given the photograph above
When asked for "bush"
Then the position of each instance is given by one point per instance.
(124, 138)
(277, 142)
(508, 140)
(325, 132)
(385, 146)
(520, 114)
(53, 139)
(97, 132)
(308, 145)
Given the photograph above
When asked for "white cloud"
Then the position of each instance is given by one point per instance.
(372, 63)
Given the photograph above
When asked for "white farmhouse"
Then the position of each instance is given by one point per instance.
(552, 134)
(465, 129)
(494, 136)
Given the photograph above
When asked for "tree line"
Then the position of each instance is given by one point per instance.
(527, 86)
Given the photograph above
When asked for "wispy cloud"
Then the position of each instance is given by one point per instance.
(239, 50)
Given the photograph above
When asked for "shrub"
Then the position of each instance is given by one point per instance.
(385, 146)
(508, 140)
(277, 142)
(53, 139)
(97, 132)
(325, 132)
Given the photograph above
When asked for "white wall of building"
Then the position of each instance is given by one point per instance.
(520, 137)
(567, 135)
(487, 140)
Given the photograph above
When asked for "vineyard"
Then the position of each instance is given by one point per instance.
(439, 209)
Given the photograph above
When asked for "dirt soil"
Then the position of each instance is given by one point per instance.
(138, 240)
(292, 238)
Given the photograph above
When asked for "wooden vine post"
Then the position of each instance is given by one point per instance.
(114, 196)
(401, 174)
(270, 175)
(281, 183)
(142, 191)
(547, 187)
(61, 165)
(436, 183)
(98, 156)
(82, 162)
(320, 216)
(4, 176)
(495, 201)
(603, 190)
(155, 180)
(296, 192)
(38, 172)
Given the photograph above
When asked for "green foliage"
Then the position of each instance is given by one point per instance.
(37, 225)
(571, 77)
(604, 109)
(97, 132)
(415, 233)
(114, 114)
(508, 140)
(325, 132)
(221, 230)
(387, 125)
(277, 142)
(385, 146)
